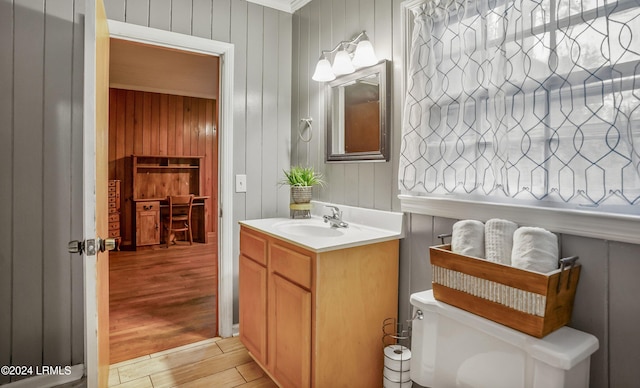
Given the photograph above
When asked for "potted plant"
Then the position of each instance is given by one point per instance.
(301, 180)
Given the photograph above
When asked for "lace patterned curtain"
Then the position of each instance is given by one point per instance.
(524, 100)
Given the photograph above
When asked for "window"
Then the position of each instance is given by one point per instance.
(531, 102)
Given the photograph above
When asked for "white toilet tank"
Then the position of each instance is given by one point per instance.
(451, 347)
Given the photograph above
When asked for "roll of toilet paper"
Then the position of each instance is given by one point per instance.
(386, 383)
(396, 376)
(397, 357)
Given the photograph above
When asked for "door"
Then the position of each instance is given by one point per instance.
(289, 340)
(253, 307)
(95, 191)
(148, 223)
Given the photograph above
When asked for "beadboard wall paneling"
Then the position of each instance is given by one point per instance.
(6, 186)
(27, 196)
(40, 119)
(41, 76)
(144, 123)
(56, 266)
(317, 26)
(624, 314)
(77, 194)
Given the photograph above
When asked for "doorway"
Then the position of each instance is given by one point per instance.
(162, 293)
(217, 234)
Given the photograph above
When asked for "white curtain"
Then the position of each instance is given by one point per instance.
(524, 100)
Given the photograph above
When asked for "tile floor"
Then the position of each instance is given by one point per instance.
(215, 363)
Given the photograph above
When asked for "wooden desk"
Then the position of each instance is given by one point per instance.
(150, 212)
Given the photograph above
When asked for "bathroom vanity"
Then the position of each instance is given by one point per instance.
(313, 299)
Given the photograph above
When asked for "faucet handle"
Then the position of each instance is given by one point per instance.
(335, 211)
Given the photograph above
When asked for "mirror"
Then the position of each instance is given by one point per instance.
(357, 115)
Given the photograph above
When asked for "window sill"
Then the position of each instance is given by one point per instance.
(613, 227)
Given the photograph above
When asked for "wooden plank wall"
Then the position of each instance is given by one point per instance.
(145, 123)
(41, 79)
(41, 318)
(320, 25)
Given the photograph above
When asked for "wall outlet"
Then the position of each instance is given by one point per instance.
(241, 183)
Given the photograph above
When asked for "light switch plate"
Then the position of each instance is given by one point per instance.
(241, 183)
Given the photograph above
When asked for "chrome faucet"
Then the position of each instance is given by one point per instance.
(335, 219)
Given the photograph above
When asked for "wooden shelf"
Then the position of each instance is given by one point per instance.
(158, 176)
(177, 167)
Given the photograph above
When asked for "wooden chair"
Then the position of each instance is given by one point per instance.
(179, 217)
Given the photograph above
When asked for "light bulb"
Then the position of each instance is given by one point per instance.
(342, 63)
(364, 55)
(323, 72)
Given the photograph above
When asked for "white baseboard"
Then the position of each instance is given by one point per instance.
(47, 381)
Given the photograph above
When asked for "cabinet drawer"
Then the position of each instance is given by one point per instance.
(114, 226)
(147, 206)
(253, 246)
(290, 264)
(114, 233)
(114, 217)
(112, 184)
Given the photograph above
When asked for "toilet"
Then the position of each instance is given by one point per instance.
(451, 347)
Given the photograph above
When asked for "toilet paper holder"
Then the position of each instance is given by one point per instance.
(394, 331)
(396, 340)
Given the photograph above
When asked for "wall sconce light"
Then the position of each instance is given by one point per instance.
(349, 55)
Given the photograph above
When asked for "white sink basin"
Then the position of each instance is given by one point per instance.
(308, 228)
(366, 226)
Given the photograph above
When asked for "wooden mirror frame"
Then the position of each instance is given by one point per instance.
(382, 69)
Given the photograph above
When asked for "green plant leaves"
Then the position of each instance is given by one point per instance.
(302, 176)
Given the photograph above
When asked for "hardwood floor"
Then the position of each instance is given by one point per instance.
(161, 298)
(215, 362)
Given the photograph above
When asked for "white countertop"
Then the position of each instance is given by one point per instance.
(366, 226)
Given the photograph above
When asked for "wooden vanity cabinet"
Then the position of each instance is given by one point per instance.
(252, 291)
(289, 317)
(147, 223)
(319, 321)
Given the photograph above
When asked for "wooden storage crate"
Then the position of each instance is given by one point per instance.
(531, 302)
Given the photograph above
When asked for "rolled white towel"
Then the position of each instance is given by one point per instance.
(535, 249)
(467, 238)
(498, 240)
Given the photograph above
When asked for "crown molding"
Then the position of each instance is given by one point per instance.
(289, 6)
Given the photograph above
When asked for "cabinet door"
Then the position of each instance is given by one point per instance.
(289, 333)
(253, 307)
(147, 223)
